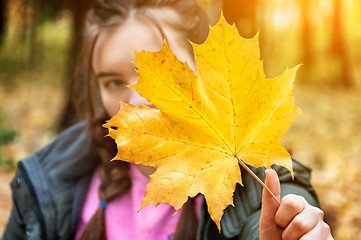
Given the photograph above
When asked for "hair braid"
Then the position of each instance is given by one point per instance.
(114, 176)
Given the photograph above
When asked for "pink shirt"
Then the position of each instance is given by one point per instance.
(121, 217)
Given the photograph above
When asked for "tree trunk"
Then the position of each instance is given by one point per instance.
(3, 7)
(35, 41)
(339, 45)
(307, 57)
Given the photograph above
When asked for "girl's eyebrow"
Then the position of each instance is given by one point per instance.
(107, 74)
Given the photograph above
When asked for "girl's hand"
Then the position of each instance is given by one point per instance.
(293, 219)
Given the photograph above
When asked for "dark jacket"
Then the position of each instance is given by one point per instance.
(50, 186)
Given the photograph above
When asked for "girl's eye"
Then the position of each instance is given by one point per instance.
(114, 83)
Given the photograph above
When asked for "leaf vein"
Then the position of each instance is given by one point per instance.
(194, 109)
(173, 140)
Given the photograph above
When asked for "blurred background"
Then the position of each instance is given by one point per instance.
(39, 43)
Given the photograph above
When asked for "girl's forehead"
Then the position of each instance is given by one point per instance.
(118, 44)
(115, 47)
(132, 34)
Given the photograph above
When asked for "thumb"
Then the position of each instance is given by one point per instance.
(268, 228)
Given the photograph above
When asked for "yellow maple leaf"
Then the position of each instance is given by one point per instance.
(207, 121)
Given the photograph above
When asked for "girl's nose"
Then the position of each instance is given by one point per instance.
(138, 100)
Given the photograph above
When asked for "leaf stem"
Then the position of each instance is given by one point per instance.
(258, 180)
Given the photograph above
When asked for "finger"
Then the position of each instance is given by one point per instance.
(291, 205)
(273, 183)
(268, 227)
(321, 231)
(302, 223)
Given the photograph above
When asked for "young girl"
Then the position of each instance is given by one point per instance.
(70, 190)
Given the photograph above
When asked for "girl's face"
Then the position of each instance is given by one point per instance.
(113, 57)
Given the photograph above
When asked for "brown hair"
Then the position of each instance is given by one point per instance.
(183, 15)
